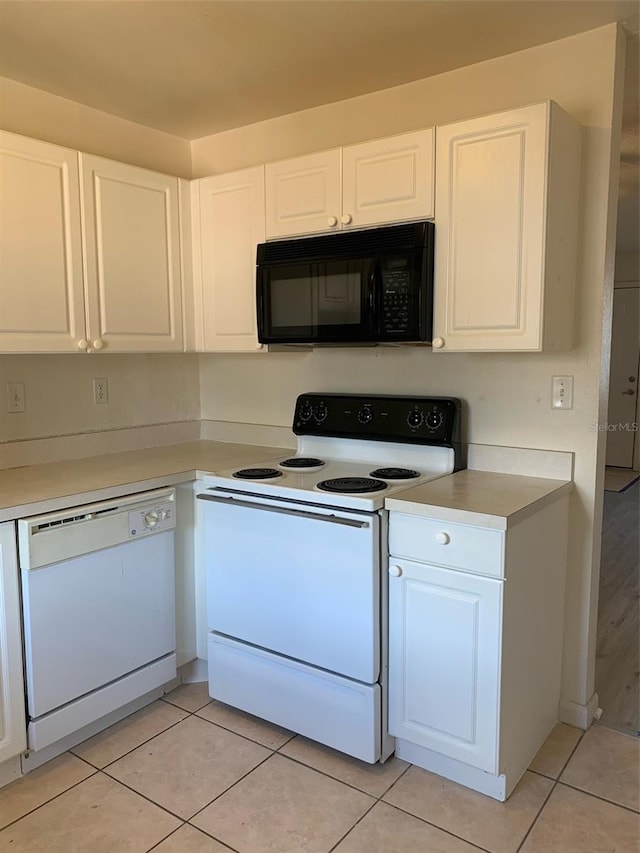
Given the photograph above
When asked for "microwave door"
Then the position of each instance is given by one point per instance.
(343, 294)
(318, 302)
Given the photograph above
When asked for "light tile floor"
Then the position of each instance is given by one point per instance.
(187, 775)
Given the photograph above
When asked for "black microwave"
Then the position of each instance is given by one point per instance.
(373, 286)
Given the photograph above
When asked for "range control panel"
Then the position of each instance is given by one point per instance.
(419, 420)
(151, 519)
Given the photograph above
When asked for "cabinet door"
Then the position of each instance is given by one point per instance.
(41, 284)
(231, 212)
(13, 732)
(491, 189)
(132, 243)
(444, 661)
(388, 180)
(303, 195)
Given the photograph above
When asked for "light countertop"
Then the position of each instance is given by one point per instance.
(35, 489)
(479, 497)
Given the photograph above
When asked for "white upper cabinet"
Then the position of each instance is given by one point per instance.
(132, 245)
(89, 253)
(41, 283)
(228, 224)
(373, 183)
(303, 195)
(506, 231)
(388, 180)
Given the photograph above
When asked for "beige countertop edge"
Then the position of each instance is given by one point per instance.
(462, 514)
(36, 489)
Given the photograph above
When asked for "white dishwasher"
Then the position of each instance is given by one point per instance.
(98, 598)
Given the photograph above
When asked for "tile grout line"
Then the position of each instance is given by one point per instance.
(133, 749)
(145, 797)
(556, 782)
(599, 797)
(351, 828)
(435, 825)
(96, 770)
(537, 815)
(162, 840)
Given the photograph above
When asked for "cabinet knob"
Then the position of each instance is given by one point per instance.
(82, 344)
(332, 220)
(437, 343)
(345, 219)
(97, 344)
(443, 538)
(395, 571)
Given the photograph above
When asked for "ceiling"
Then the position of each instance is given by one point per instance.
(196, 67)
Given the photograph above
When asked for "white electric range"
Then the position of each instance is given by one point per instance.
(296, 555)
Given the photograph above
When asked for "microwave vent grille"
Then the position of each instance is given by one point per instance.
(346, 244)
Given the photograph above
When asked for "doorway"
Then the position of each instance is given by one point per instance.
(618, 646)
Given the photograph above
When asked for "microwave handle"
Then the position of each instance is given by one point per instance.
(375, 294)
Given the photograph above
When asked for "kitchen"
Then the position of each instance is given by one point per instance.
(185, 396)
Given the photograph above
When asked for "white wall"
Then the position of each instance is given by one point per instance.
(508, 396)
(41, 115)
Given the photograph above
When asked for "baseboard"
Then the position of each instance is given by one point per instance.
(471, 777)
(580, 716)
(194, 671)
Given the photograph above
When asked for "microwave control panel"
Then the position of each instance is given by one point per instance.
(396, 300)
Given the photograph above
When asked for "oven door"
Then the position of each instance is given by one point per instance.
(328, 301)
(299, 580)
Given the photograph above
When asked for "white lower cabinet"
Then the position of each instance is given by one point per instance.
(475, 645)
(13, 732)
(444, 661)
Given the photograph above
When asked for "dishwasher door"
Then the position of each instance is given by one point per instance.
(106, 607)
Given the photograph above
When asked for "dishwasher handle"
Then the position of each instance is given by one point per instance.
(313, 516)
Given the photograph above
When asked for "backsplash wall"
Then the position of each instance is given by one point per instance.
(143, 390)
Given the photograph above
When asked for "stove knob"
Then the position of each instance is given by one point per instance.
(306, 412)
(320, 413)
(151, 518)
(365, 415)
(434, 420)
(395, 571)
(414, 419)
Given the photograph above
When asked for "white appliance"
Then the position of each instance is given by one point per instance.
(98, 597)
(296, 556)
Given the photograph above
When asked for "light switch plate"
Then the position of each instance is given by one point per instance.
(562, 392)
(15, 397)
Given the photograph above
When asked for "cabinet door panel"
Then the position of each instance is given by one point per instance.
(133, 257)
(231, 226)
(303, 194)
(490, 225)
(13, 731)
(41, 285)
(388, 180)
(444, 662)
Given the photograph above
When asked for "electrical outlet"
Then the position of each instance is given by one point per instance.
(15, 397)
(100, 391)
(562, 392)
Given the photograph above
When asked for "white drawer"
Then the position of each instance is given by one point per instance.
(457, 546)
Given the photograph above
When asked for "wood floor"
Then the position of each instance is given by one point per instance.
(618, 645)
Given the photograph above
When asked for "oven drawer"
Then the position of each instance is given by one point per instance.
(456, 546)
(327, 708)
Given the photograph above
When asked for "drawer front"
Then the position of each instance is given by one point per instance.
(457, 546)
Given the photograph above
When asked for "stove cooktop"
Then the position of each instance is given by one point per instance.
(354, 451)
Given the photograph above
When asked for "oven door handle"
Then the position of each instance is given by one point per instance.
(314, 516)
